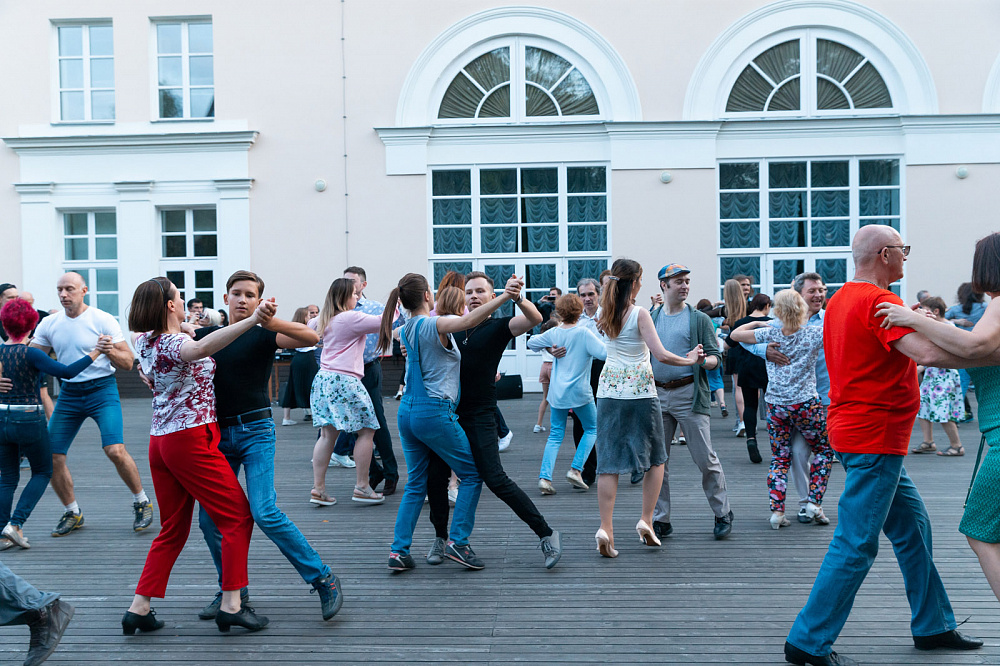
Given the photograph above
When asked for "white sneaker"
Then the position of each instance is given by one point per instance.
(452, 496)
(505, 441)
(546, 487)
(741, 429)
(538, 428)
(337, 460)
(815, 512)
(285, 422)
(778, 520)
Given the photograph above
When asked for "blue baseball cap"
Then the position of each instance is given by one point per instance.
(672, 270)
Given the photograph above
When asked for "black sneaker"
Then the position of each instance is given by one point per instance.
(464, 555)
(804, 516)
(662, 530)
(212, 609)
(70, 521)
(47, 630)
(330, 595)
(143, 515)
(435, 555)
(753, 451)
(552, 549)
(723, 526)
(400, 562)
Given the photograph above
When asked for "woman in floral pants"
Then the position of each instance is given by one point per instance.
(792, 402)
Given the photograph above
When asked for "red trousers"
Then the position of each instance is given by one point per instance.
(187, 466)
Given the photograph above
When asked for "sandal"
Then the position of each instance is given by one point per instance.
(320, 498)
(924, 447)
(951, 451)
(368, 496)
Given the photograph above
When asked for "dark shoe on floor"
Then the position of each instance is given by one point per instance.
(590, 481)
(143, 515)
(375, 477)
(212, 609)
(551, 549)
(723, 526)
(804, 516)
(725, 412)
(330, 595)
(637, 477)
(400, 562)
(389, 487)
(753, 451)
(464, 555)
(793, 655)
(47, 630)
(435, 555)
(953, 639)
(70, 521)
(132, 622)
(246, 618)
(662, 529)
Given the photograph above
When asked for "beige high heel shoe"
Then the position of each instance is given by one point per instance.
(604, 544)
(646, 534)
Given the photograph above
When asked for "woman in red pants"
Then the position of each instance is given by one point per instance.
(184, 457)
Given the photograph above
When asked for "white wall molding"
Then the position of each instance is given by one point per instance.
(133, 186)
(34, 189)
(117, 143)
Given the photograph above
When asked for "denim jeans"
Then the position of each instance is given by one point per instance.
(19, 599)
(557, 430)
(23, 433)
(878, 497)
(96, 399)
(426, 425)
(252, 445)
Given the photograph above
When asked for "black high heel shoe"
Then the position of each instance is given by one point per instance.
(132, 622)
(245, 618)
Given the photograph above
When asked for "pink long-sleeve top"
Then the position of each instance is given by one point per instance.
(344, 342)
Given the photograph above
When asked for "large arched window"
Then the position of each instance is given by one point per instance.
(806, 76)
(545, 86)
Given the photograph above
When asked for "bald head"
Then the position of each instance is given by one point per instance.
(28, 296)
(869, 240)
(71, 289)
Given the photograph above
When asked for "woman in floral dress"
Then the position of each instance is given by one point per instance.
(940, 399)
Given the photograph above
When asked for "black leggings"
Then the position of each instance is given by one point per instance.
(750, 406)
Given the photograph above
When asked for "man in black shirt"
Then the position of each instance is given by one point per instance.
(482, 348)
(243, 406)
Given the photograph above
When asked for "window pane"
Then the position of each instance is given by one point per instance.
(540, 276)
(829, 174)
(742, 176)
(452, 211)
(540, 239)
(493, 181)
(101, 40)
(879, 172)
(587, 209)
(543, 67)
(785, 270)
(540, 210)
(200, 37)
(107, 279)
(75, 224)
(207, 298)
(786, 174)
(879, 202)
(538, 103)
(829, 96)
(497, 105)
(831, 233)
(71, 73)
(730, 266)
(102, 105)
(539, 181)
(787, 204)
(204, 219)
(177, 278)
(832, 270)
(168, 38)
(174, 246)
(102, 73)
(739, 234)
(827, 203)
(203, 102)
(171, 103)
(836, 60)
(170, 71)
(451, 183)
(108, 303)
(71, 40)
(587, 238)
(787, 97)
(889, 222)
(105, 248)
(586, 179)
(739, 206)
(461, 99)
(867, 89)
(781, 61)
(173, 221)
(203, 280)
(788, 233)
(575, 96)
(491, 69)
(494, 240)
(463, 267)
(76, 249)
(585, 268)
(205, 245)
(749, 93)
(452, 240)
(201, 70)
(498, 211)
(72, 105)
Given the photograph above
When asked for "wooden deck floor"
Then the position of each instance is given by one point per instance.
(695, 601)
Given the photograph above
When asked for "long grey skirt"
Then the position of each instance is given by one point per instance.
(629, 435)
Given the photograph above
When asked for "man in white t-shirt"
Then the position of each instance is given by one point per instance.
(91, 394)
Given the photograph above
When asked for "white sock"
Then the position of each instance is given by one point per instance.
(74, 507)
(140, 497)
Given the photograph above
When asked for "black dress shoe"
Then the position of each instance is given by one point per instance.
(246, 618)
(953, 639)
(793, 655)
(753, 451)
(389, 487)
(637, 477)
(47, 630)
(662, 530)
(723, 526)
(132, 622)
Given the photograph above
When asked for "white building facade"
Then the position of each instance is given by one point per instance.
(193, 138)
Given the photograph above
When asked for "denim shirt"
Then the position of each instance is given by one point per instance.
(371, 307)
(822, 376)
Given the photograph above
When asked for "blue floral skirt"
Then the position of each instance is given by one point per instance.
(341, 401)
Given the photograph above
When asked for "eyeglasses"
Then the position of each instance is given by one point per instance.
(905, 249)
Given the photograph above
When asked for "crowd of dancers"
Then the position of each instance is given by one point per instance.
(839, 378)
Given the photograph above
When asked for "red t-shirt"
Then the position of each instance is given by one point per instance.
(874, 395)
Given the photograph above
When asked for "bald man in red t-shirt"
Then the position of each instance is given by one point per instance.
(874, 397)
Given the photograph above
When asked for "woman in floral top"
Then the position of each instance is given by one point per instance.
(940, 398)
(629, 426)
(184, 457)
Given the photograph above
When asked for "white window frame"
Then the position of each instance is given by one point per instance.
(185, 56)
(189, 264)
(88, 267)
(87, 90)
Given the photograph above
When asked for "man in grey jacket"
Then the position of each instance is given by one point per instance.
(684, 396)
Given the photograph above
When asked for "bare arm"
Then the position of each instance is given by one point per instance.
(292, 335)
(529, 318)
(925, 352)
(981, 342)
(120, 356)
(648, 332)
(745, 333)
(480, 314)
(194, 350)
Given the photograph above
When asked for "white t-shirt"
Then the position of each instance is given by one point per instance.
(73, 338)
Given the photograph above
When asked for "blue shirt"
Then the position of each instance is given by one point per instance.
(570, 383)
(956, 312)
(822, 376)
(368, 306)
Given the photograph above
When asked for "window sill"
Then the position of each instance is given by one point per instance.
(182, 120)
(70, 123)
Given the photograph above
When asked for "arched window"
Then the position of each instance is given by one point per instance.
(809, 75)
(548, 86)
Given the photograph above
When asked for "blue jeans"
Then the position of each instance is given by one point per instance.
(19, 599)
(878, 497)
(425, 425)
(96, 399)
(252, 445)
(557, 430)
(23, 433)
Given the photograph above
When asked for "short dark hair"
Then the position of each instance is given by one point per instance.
(148, 312)
(759, 302)
(703, 304)
(935, 303)
(357, 270)
(7, 285)
(193, 301)
(240, 276)
(986, 264)
(479, 274)
(740, 277)
(556, 289)
(18, 317)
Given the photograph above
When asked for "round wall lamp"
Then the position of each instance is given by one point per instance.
(962, 172)
(666, 177)
(320, 185)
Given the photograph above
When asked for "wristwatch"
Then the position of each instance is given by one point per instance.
(520, 298)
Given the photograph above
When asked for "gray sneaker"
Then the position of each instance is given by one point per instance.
(143, 515)
(436, 553)
(551, 549)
